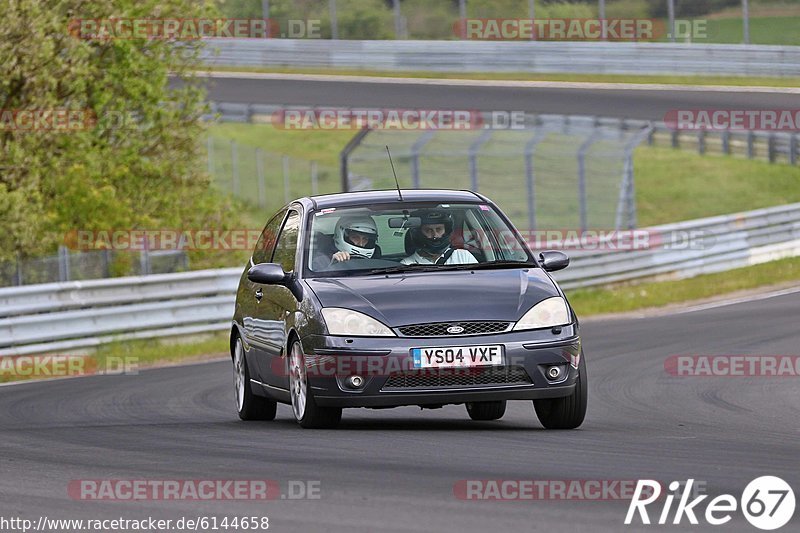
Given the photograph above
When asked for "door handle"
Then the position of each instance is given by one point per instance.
(259, 294)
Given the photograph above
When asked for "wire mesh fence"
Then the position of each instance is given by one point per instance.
(558, 172)
(263, 178)
(75, 266)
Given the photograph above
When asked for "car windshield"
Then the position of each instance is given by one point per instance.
(410, 236)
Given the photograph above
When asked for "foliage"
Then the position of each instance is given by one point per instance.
(139, 166)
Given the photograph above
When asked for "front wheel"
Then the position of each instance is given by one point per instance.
(306, 411)
(486, 410)
(249, 406)
(567, 412)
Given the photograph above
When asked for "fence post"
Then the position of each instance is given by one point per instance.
(345, 154)
(63, 263)
(210, 148)
(626, 203)
(726, 142)
(262, 186)
(235, 167)
(106, 255)
(473, 158)
(314, 178)
(285, 161)
(584, 213)
(771, 149)
(19, 269)
(530, 175)
(144, 260)
(793, 149)
(416, 148)
(334, 19)
(701, 142)
(751, 152)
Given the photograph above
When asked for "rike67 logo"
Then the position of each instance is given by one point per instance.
(767, 503)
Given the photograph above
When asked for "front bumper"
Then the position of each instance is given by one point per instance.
(330, 360)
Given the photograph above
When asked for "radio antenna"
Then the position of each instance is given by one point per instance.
(400, 194)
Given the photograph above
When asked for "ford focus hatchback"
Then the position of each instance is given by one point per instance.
(391, 298)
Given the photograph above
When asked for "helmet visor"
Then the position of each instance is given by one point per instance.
(360, 239)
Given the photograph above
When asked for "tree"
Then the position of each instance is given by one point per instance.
(137, 164)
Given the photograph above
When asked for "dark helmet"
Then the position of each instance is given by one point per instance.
(433, 216)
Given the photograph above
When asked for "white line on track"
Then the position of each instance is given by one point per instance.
(499, 83)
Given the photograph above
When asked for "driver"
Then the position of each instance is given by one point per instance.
(354, 237)
(432, 241)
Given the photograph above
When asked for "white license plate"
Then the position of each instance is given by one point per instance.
(458, 356)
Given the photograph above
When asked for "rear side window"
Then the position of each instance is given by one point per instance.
(286, 251)
(266, 242)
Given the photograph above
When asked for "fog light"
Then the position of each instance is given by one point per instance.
(554, 372)
(354, 382)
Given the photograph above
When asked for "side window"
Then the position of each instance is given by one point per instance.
(266, 242)
(286, 250)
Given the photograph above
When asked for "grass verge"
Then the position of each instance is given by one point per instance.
(619, 299)
(121, 356)
(735, 81)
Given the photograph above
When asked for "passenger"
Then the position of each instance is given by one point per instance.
(432, 241)
(354, 237)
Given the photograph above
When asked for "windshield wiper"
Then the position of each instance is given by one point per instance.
(414, 267)
(494, 264)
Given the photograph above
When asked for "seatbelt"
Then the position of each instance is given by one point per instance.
(443, 259)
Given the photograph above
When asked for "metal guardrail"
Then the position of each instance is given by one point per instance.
(78, 315)
(508, 56)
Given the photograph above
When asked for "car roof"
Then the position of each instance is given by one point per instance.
(390, 196)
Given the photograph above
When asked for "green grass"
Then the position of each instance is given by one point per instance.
(633, 297)
(527, 76)
(673, 185)
(135, 355)
(763, 30)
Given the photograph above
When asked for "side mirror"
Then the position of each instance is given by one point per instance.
(266, 274)
(552, 260)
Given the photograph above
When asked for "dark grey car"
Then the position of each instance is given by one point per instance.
(485, 326)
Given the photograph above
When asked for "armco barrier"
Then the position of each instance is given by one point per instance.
(508, 56)
(78, 315)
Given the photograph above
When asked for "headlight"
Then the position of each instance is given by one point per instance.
(546, 314)
(348, 322)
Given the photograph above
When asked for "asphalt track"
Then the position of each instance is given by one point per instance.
(650, 104)
(394, 470)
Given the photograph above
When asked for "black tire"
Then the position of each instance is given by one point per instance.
(310, 415)
(486, 410)
(567, 412)
(251, 406)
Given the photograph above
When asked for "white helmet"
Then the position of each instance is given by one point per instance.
(342, 235)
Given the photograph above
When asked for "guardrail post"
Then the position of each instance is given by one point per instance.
(530, 175)
(416, 148)
(262, 186)
(344, 155)
(726, 142)
(286, 195)
(793, 149)
(675, 140)
(234, 168)
(474, 148)
(701, 142)
(314, 178)
(751, 152)
(63, 263)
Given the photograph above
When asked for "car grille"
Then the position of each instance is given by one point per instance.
(439, 329)
(432, 378)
